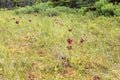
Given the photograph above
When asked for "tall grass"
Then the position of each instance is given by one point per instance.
(33, 49)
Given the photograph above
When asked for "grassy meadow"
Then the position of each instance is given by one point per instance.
(34, 47)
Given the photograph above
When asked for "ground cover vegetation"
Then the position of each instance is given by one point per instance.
(60, 40)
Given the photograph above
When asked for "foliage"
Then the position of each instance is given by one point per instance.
(65, 9)
(85, 3)
(82, 10)
(45, 8)
(52, 12)
(73, 3)
(18, 11)
(108, 9)
(38, 8)
(103, 7)
(26, 10)
(29, 10)
(117, 10)
(41, 7)
(60, 2)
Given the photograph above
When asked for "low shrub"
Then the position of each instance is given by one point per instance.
(41, 7)
(108, 9)
(99, 4)
(19, 11)
(82, 10)
(52, 12)
(29, 10)
(37, 8)
(25, 10)
(103, 7)
(117, 10)
(45, 8)
(65, 9)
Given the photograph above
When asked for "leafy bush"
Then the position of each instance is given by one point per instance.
(51, 12)
(117, 10)
(28, 10)
(82, 11)
(60, 2)
(103, 7)
(84, 3)
(65, 9)
(25, 10)
(107, 9)
(73, 3)
(45, 8)
(41, 7)
(100, 4)
(37, 8)
(20, 10)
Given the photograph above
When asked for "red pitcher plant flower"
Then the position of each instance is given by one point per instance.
(69, 41)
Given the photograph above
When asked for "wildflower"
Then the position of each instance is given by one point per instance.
(96, 78)
(82, 40)
(69, 47)
(30, 20)
(17, 22)
(69, 41)
(70, 29)
(63, 57)
(31, 76)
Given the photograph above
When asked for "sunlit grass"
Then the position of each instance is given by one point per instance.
(34, 49)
